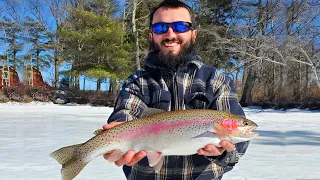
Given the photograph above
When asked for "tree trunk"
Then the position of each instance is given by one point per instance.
(114, 89)
(280, 89)
(84, 83)
(71, 84)
(77, 82)
(306, 84)
(99, 84)
(273, 91)
(15, 60)
(246, 98)
(136, 35)
(56, 69)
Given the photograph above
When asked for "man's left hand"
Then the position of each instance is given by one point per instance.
(211, 150)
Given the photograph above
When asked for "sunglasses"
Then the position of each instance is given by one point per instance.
(179, 27)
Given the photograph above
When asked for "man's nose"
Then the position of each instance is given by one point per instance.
(171, 34)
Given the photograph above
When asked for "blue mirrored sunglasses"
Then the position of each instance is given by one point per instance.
(179, 27)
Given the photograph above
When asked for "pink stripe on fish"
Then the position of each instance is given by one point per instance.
(159, 127)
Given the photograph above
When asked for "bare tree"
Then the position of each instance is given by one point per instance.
(277, 47)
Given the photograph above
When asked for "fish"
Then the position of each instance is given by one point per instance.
(160, 133)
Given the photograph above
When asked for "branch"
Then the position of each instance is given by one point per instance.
(313, 67)
(141, 18)
(304, 53)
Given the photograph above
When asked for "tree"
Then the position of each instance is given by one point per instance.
(212, 21)
(36, 35)
(136, 15)
(94, 45)
(272, 38)
(58, 12)
(11, 24)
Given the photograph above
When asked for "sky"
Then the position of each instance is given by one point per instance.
(287, 148)
(48, 74)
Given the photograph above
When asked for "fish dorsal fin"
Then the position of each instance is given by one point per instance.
(98, 131)
(155, 160)
(151, 111)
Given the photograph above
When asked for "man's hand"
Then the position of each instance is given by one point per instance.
(211, 150)
(130, 157)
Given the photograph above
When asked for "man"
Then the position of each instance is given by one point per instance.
(174, 79)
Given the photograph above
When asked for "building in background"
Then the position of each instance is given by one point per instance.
(33, 77)
(8, 77)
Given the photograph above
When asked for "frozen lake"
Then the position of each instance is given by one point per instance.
(288, 147)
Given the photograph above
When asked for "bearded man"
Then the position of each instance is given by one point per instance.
(175, 78)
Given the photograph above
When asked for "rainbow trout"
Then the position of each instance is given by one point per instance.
(161, 134)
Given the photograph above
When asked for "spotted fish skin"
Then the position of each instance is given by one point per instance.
(163, 134)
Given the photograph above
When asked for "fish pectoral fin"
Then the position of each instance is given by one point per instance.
(115, 155)
(154, 158)
(158, 166)
(219, 130)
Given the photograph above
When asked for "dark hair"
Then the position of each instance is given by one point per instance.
(173, 4)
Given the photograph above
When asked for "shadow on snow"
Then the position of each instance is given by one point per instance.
(287, 138)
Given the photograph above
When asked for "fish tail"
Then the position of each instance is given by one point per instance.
(71, 165)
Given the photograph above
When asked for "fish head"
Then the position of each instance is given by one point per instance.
(239, 129)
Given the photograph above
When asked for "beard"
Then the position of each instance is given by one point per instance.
(173, 61)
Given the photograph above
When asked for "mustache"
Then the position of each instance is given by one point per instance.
(171, 40)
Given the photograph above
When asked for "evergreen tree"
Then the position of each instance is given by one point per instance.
(37, 36)
(13, 35)
(93, 44)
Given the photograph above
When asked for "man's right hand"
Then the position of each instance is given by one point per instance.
(129, 158)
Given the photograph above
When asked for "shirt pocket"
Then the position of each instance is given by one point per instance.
(198, 100)
(159, 99)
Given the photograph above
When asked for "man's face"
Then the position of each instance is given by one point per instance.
(172, 43)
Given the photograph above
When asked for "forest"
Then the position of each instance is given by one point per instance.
(270, 48)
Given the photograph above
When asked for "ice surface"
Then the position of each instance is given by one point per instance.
(288, 146)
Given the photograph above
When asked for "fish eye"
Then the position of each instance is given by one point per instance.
(246, 123)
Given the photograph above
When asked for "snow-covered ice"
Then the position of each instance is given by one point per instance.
(288, 147)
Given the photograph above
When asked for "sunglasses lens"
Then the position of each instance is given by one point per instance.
(160, 28)
(180, 27)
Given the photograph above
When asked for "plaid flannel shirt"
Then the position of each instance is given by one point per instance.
(193, 86)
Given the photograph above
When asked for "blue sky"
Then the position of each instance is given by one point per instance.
(48, 74)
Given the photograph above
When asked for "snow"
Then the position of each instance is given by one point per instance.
(287, 148)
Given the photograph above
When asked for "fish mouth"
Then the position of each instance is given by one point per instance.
(249, 132)
(252, 134)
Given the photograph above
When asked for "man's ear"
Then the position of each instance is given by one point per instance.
(150, 36)
(194, 35)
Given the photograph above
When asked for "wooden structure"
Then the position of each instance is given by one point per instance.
(33, 77)
(8, 77)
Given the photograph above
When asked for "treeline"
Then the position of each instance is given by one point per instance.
(269, 47)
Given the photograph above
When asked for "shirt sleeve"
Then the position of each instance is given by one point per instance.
(129, 104)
